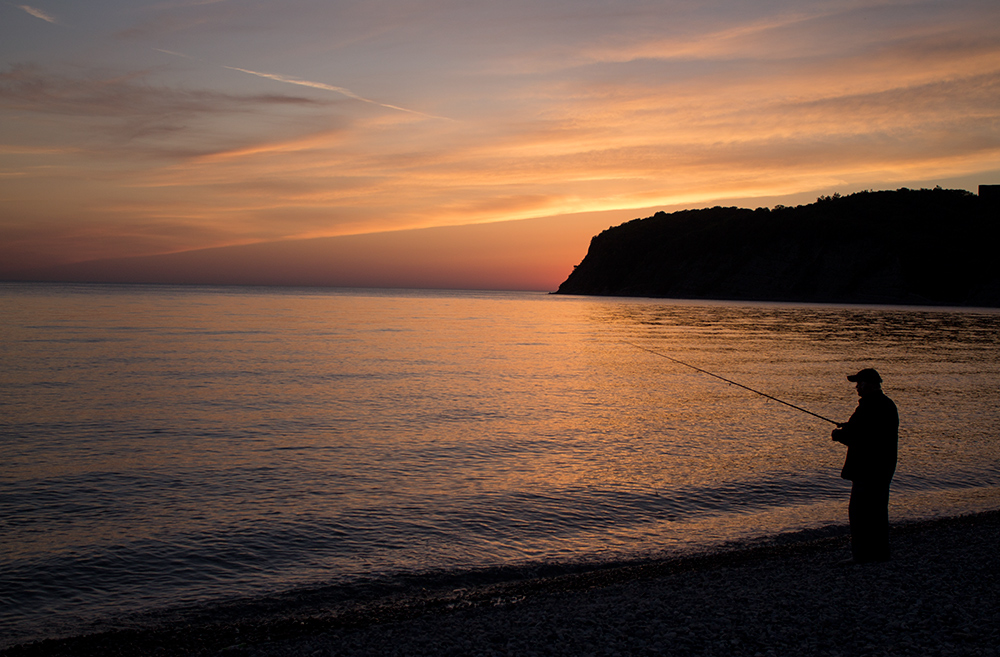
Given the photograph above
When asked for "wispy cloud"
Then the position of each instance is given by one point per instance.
(38, 13)
(11, 149)
(127, 113)
(330, 87)
(28, 87)
(187, 3)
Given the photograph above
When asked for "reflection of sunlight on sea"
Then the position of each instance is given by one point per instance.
(172, 445)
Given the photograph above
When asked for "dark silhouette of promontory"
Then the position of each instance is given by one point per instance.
(928, 246)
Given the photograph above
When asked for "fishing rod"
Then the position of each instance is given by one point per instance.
(762, 394)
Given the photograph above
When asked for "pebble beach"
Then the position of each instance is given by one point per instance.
(785, 595)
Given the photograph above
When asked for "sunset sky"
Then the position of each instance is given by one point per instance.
(138, 128)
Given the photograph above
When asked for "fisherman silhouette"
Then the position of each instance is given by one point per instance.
(871, 436)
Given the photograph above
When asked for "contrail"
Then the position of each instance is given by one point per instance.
(38, 13)
(330, 87)
(175, 54)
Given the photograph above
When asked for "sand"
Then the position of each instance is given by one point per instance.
(939, 595)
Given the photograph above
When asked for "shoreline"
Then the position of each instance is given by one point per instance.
(775, 595)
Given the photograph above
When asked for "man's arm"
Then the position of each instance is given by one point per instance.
(847, 432)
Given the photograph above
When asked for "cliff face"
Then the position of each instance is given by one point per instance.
(905, 247)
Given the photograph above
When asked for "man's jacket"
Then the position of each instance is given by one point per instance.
(872, 438)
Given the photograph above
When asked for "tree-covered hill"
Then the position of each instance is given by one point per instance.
(928, 246)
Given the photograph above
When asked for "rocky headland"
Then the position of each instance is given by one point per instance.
(915, 247)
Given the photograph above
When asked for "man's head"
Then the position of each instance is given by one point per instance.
(868, 381)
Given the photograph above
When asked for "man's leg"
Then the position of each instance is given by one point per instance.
(880, 521)
(869, 516)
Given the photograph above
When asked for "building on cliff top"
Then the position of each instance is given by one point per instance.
(990, 192)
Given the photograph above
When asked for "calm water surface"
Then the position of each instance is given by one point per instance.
(165, 446)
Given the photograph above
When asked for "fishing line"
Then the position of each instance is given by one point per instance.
(722, 378)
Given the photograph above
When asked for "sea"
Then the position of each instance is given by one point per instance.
(177, 446)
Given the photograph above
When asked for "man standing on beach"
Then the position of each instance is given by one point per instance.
(871, 436)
